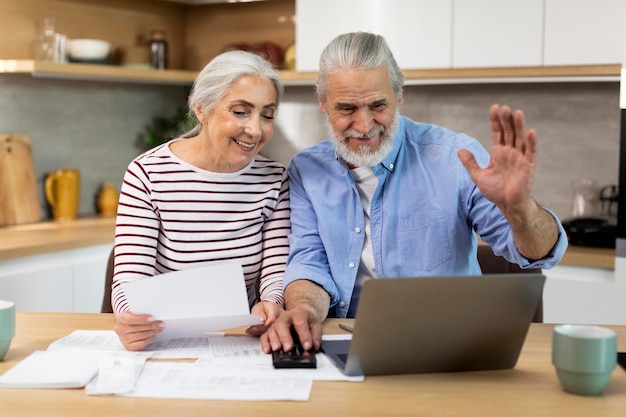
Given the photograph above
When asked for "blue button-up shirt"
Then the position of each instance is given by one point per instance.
(425, 215)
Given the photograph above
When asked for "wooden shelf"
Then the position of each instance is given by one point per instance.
(588, 73)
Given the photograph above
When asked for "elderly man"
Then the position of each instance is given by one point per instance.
(388, 196)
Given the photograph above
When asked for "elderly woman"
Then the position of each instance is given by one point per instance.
(208, 196)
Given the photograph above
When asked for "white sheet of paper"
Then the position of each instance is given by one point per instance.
(187, 380)
(56, 369)
(193, 301)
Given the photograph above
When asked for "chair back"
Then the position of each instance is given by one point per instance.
(492, 264)
(108, 282)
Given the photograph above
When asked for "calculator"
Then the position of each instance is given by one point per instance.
(297, 357)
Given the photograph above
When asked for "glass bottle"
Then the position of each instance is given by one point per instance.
(158, 50)
(45, 42)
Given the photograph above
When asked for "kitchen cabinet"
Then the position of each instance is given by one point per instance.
(574, 294)
(497, 33)
(429, 33)
(583, 32)
(418, 31)
(421, 33)
(64, 281)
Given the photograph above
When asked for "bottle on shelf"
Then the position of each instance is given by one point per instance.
(158, 50)
(45, 49)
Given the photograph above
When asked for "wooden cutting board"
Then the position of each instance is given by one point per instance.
(19, 200)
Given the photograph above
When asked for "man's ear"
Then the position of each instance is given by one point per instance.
(321, 105)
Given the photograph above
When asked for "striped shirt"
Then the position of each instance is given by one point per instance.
(174, 216)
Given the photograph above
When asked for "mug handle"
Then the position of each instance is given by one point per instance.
(49, 191)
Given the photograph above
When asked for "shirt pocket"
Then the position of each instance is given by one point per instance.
(425, 241)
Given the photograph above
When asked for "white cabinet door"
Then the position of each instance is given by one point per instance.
(418, 31)
(88, 270)
(37, 283)
(584, 295)
(497, 33)
(66, 281)
(584, 32)
(319, 21)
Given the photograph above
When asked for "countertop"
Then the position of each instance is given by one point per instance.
(51, 236)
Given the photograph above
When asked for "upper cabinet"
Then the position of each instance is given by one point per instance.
(418, 31)
(433, 40)
(583, 32)
(497, 33)
(473, 34)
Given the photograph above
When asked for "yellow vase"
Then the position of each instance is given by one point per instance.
(107, 200)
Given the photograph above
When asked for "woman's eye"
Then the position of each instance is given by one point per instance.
(268, 116)
(240, 112)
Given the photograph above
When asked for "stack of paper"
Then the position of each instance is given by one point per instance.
(191, 303)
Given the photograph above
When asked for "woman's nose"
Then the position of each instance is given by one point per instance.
(253, 127)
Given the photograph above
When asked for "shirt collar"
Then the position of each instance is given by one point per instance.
(389, 161)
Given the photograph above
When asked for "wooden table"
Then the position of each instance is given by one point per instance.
(531, 389)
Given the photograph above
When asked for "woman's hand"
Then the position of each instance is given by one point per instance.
(268, 312)
(136, 331)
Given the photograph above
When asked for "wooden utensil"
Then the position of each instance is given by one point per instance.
(19, 200)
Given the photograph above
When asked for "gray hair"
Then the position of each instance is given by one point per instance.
(218, 75)
(360, 50)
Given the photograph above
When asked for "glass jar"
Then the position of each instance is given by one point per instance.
(585, 198)
(158, 50)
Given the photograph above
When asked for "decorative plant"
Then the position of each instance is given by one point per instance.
(163, 129)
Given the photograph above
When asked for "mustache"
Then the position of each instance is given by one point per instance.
(356, 134)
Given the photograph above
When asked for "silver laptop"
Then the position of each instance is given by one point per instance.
(438, 324)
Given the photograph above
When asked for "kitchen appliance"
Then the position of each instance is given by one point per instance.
(19, 200)
(594, 221)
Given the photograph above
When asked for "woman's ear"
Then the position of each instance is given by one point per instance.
(197, 109)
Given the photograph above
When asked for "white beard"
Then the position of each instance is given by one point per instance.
(364, 157)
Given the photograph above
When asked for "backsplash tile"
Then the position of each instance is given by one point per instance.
(96, 126)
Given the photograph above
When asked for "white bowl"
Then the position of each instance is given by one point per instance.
(88, 48)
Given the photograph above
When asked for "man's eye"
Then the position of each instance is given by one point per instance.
(346, 112)
(378, 107)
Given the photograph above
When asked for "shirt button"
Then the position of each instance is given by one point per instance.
(391, 166)
(342, 304)
(357, 229)
(351, 264)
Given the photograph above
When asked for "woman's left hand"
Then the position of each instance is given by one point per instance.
(268, 312)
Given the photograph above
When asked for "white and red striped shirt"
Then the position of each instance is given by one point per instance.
(174, 216)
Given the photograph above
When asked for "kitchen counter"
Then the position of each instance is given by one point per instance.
(589, 257)
(50, 236)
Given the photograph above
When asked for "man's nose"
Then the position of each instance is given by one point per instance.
(364, 120)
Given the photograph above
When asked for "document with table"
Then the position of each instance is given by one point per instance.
(214, 366)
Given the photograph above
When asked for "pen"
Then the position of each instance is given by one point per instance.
(346, 327)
